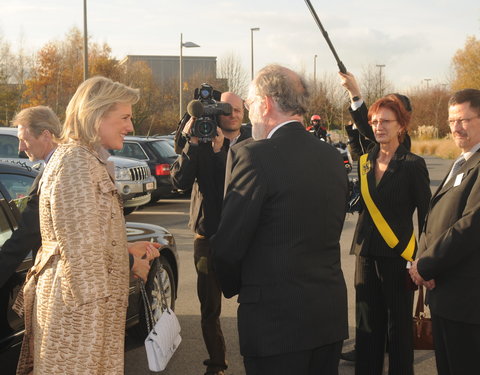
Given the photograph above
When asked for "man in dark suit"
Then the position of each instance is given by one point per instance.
(37, 127)
(201, 166)
(449, 250)
(277, 247)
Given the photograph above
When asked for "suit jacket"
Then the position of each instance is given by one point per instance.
(404, 187)
(277, 245)
(200, 169)
(24, 239)
(450, 246)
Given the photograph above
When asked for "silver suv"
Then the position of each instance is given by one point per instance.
(133, 178)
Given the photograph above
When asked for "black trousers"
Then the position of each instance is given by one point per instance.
(457, 346)
(319, 361)
(210, 297)
(384, 307)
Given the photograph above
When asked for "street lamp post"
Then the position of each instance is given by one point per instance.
(427, 80)
(251, 43)
(85, 41)
(315, 70)
(380, 66)
(180, 68)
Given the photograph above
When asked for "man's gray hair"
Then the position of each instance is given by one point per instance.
(287, 88)
(38, 119)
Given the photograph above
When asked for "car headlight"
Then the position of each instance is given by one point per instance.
(122, 174)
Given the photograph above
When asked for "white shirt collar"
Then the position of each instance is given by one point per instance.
(469, 153)
(278, 127)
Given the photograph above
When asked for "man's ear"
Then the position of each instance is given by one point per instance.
(47, 134)
(269, 105)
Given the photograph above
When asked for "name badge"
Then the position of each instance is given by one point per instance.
(458, 179)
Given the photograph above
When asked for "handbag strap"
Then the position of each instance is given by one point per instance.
(419, 308)
(162, 291)
(147, 307)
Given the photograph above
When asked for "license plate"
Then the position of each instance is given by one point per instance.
(149, 186)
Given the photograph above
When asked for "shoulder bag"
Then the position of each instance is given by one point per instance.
(164, 338)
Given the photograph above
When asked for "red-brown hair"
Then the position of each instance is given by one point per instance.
(394, 104)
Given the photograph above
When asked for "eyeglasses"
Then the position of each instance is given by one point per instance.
(463, 121)
(248, 102)
(380, 121)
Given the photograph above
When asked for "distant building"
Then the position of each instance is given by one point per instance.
(165, 68)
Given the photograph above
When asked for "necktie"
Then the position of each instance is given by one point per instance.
(456, 167)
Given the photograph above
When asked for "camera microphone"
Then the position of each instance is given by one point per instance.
(195, 108)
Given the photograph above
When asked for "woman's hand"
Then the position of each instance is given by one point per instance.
(144, 249)
(350, 83)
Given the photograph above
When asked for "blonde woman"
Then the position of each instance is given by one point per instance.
(75, 315)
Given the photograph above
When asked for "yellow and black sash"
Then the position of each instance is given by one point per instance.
(382, 226)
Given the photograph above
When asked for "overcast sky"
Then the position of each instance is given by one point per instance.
(415, 39)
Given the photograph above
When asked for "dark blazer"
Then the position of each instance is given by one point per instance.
(360, 118)
(24, 239)
(277, 245)
(359, 145)
(450, 246)
(404, 187)
(200, 169)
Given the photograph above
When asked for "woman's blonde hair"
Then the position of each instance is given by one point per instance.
(93, 99)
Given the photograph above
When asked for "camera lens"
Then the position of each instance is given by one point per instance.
(205, 129)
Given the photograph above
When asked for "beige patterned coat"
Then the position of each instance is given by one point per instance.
(76, 315)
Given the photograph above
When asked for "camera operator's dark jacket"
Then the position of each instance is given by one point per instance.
(199, 168)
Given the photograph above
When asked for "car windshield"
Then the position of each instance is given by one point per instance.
(164, 149)
(130, 150)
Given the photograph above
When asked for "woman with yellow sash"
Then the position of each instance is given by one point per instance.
(394, 182)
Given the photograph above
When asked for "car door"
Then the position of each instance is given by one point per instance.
(11, 325)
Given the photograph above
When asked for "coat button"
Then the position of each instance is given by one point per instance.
(114, 243)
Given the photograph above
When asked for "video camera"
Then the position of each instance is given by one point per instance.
(206, 111)
(206, 107)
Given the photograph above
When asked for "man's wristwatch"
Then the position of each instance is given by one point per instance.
(355, 98)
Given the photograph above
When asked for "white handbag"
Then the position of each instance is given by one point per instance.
(164, 339)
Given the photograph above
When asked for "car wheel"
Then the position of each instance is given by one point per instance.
(161, 270)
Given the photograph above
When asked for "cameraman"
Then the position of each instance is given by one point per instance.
(201, 166)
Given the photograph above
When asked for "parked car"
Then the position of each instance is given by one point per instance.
(133, 179)
(158, 154)
(15, 181)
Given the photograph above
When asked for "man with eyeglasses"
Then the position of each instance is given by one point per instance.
(278, 248)
(449, 249)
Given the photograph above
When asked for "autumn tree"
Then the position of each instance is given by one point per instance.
(430, 108)
(466, 65)
(58, 71)
(14, 68)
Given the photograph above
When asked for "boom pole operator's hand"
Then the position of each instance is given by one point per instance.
(350, 83)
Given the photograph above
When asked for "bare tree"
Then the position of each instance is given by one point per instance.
(328, 100)
(374, 84)
(231, 69)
